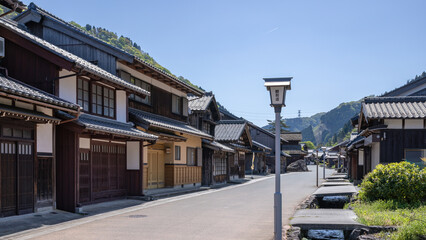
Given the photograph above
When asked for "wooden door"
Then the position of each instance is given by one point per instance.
(84, 176)
(17, 178)
(155, 169)
(25, 178)
(8, 179)
(44, 181)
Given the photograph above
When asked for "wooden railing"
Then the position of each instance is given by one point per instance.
(182, 174)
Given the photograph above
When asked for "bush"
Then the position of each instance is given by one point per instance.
(401, 182)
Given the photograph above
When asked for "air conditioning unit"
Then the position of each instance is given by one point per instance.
(2, 50)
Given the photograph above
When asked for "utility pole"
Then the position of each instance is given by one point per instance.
(299, 113)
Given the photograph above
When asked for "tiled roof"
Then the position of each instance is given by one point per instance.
(406, 88)
(163, 122)
(45, 13)
(285, 154)
(15, 87)
(229, 130)
(354, 141)
(394, 107)
(224, 111)
(105, 125)
(79, 62)
(239, 147)
(29, 115)
(292, 136)
(199, 103)
(218, 145)
(259, 145)
(295, 152)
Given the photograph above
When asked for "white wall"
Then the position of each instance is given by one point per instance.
(68, 86)
(45, 138)
(393, 123)
(133, 155)
(414, 124)
(360, 157)
(375, 155)
(121, 106)
(85, 143)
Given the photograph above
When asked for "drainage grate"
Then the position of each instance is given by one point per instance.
(137, 216)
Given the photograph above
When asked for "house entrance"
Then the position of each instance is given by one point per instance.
(155, 169)
(17, 177)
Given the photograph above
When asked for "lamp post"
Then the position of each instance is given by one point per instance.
(323, 153)
(277, 88)
(317, 166)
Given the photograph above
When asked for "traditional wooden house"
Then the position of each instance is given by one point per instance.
(293, 147)
(173, 161)
(236, 135)
(98, 153)
(415, 87)
(204, 115)
(27, 152)
(394, 129)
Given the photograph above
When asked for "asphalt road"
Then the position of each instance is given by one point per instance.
(238, 212)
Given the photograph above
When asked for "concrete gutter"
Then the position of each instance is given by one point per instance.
(336, 219)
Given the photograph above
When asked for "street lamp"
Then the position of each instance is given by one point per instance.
(323, 150)
(277, 88)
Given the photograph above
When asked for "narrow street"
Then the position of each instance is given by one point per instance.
(236, 212)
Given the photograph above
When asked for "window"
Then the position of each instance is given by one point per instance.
(83, 94)
(176, 104)
(191, 156)
(177, 152)
(103, 101)
(206, 127)
(17, 133)
(100, 101)
(416, 156)
(219, 166)
(143, 85)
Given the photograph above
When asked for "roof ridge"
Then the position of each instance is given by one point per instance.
(395, 99)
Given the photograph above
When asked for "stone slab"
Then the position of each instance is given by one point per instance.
(331, 184)
(337, 176)
(337, 180)
(336, 219)
(335, 191)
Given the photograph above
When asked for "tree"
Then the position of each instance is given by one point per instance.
(284, 127)
(309, 144)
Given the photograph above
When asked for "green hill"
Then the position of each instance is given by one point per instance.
(127, 45)
(326, 128)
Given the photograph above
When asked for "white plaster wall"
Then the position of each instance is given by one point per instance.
(150, 80)
(85, 143)
(45, 138)
(360, 157)
(68, 86)
(375, 155)
(414, 124)
(133, 155)
(393, 123)
(121, 106)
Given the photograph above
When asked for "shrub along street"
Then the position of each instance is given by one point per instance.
(394, 195)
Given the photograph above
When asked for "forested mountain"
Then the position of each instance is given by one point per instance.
(127, 45)
(326, 128)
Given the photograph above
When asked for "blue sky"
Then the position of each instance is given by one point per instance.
(336, 51)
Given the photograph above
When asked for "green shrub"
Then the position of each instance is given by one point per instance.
(401, 182)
